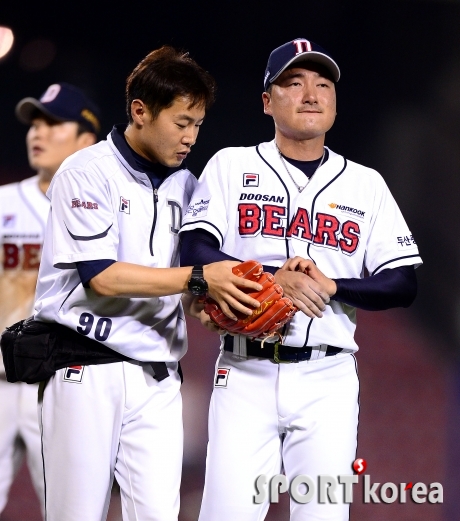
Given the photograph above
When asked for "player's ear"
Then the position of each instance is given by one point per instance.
(138, 112)
(85, 139)
(266, 100)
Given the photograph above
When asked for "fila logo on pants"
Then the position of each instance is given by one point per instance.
(74, 374)
(221, 377)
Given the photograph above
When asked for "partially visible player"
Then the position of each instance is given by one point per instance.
(110, 275)
(318, 222)
(62, 121)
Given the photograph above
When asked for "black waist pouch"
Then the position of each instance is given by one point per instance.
(33, 351)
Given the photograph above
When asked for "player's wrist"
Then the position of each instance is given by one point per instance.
(197, 284)
(332, 288)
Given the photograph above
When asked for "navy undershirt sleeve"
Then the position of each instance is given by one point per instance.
(390, 288)
(89, 269)
(201, 247)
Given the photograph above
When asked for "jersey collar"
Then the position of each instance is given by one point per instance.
(326, 172)
(138, 167)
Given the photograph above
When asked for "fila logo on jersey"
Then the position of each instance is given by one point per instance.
(221, 377)
(250, 179)
(8, 221)
(124, 205)
(74, 374)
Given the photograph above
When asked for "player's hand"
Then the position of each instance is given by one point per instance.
(207, 322)
(193, 306)
(227, 289)
(308, 267)
(305, 285)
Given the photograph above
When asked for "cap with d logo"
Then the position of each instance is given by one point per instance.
(61, 102)
(295, 51)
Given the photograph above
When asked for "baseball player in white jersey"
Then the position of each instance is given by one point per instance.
(58, 128)
(109, 274)
(318, 222)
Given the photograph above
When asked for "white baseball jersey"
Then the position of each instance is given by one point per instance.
(23, 212)
(102, 208)
(345, 220)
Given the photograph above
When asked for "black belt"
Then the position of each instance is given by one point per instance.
(160, 371)
(278, 352)
(33, 351)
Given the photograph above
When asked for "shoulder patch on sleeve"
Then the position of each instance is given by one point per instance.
(198, 207)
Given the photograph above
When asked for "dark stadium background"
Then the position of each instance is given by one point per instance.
(398, 112)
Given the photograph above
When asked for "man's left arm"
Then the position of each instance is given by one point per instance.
(391, 257)
(390, 288)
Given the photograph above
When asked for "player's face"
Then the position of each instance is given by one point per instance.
(302, 102)
(49, 142)
(168, 138)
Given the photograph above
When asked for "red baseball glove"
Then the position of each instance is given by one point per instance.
(274, 311)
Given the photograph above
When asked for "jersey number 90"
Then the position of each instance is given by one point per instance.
(102, 330)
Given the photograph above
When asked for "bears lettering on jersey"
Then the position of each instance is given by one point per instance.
(25, 257)
(270, 220)
(76, 203)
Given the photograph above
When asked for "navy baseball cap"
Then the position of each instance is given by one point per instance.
(294, 51)
(61, 102)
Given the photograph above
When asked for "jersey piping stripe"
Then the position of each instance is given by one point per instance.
(316, 196)
(31, 208)
(70, 293)
(41, 389)
(88, 237)
(359, 414)
(308, 331)
(307, 336)
(393, 260)
(287, 195)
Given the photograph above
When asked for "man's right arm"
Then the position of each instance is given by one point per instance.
(122, 279)
(86, 235)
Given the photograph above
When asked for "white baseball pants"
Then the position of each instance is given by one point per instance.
(118, 421)
(19, 436)
(264, 417)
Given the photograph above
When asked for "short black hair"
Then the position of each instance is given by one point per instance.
(164, 75)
